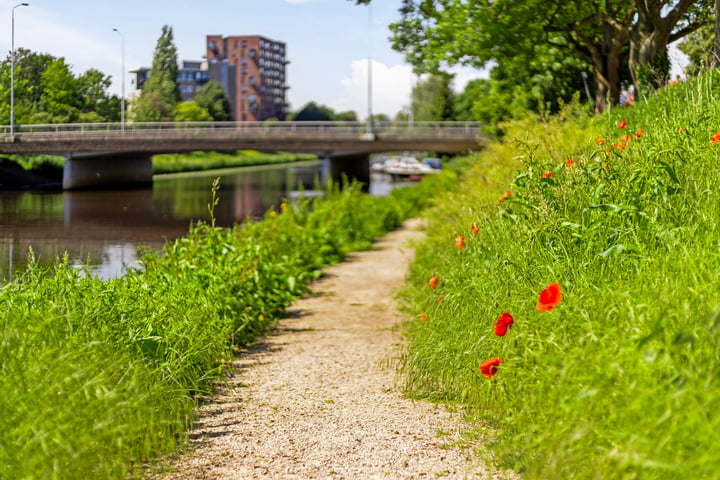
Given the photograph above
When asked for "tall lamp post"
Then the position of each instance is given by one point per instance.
(12, 70)
(122, 83)
(369, 120)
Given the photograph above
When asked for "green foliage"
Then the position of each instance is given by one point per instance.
(190, 112)
(161, 92)
(312, 112)
(98, 377)
(432, 99)
(212, 97)
(698, 46)
(621, 379)
(46, 91)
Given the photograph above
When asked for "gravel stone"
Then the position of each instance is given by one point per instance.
(317, 398)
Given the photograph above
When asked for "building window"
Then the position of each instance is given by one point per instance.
(243, 89)
(252, 53)
(244, 44)
(252, 80)
(244, 61)
(244, 72)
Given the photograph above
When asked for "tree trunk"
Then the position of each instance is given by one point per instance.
(716, 46)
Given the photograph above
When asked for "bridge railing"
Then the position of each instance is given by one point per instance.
(259, 129)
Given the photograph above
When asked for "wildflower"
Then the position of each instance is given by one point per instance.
(622, 124)
(570, 163)
(619, 146)
(504, 197)
(639, 133)
(423, 316)
(440, 299)
(549, 298)
(715, 139)
(604, 165)
(490, 366)
(460, 242)
(681, 130)
(434, 281)
(503, 323)
(547, 174)
(626, 138)
(474, 229)
(600, 141)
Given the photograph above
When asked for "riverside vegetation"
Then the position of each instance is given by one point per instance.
(614, 372)
(99, 376)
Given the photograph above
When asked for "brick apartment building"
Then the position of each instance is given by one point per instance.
(251, 68)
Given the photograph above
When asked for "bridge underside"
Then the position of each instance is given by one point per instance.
(112, 169)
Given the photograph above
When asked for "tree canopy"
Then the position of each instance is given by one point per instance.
(616, 39)
(47, 91)
(212, 97)
(161, 92)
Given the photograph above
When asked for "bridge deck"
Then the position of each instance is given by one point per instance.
(320, 137)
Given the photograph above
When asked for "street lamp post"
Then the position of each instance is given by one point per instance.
(12, 70)
(122, 82)
(369, 120)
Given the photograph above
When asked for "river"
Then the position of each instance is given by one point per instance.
(102, 229)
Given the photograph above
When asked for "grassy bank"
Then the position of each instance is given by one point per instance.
(196, 161)
(621, 378)
(97, 377)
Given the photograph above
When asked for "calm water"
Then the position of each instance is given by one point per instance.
(103, 229)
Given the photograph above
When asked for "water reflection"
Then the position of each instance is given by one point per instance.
(103, 229)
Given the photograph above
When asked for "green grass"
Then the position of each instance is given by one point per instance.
(622, 379)
(195, 161)
(99, 379)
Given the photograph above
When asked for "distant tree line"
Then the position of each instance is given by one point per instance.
(47, 91)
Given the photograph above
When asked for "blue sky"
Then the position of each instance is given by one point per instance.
(328, 41)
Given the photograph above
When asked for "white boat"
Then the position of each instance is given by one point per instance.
(403, 167)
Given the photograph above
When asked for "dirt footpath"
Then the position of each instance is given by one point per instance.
(318, 399)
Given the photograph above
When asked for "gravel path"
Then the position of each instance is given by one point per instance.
(318, 399)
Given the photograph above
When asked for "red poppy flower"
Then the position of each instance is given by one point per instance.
(622, 124)
(503, 323)
(549, 298)
(626, 138)
(570, 163)
(639, 133)
(474, 229)
(600, 141)
(715, 139)
(423, 316)
(490, 366)
(440, 299)
(681, 130)
(504, 197)
(547, 174)
(460, 242)
(434, 281)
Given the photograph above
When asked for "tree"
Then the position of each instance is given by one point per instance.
(212, 97)
(698, 46)
(60, 92)
(161, 92)
(191, 112)
(312, 112)
(432, 99)
(609, 35)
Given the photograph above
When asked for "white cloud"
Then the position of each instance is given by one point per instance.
(391, 87)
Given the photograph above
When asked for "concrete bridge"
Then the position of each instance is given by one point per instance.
(112, 153)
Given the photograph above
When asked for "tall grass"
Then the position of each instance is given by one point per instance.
(97, 377)
(622, 378)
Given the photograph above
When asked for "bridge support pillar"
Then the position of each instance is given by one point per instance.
(127, 169)
(354, 166)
